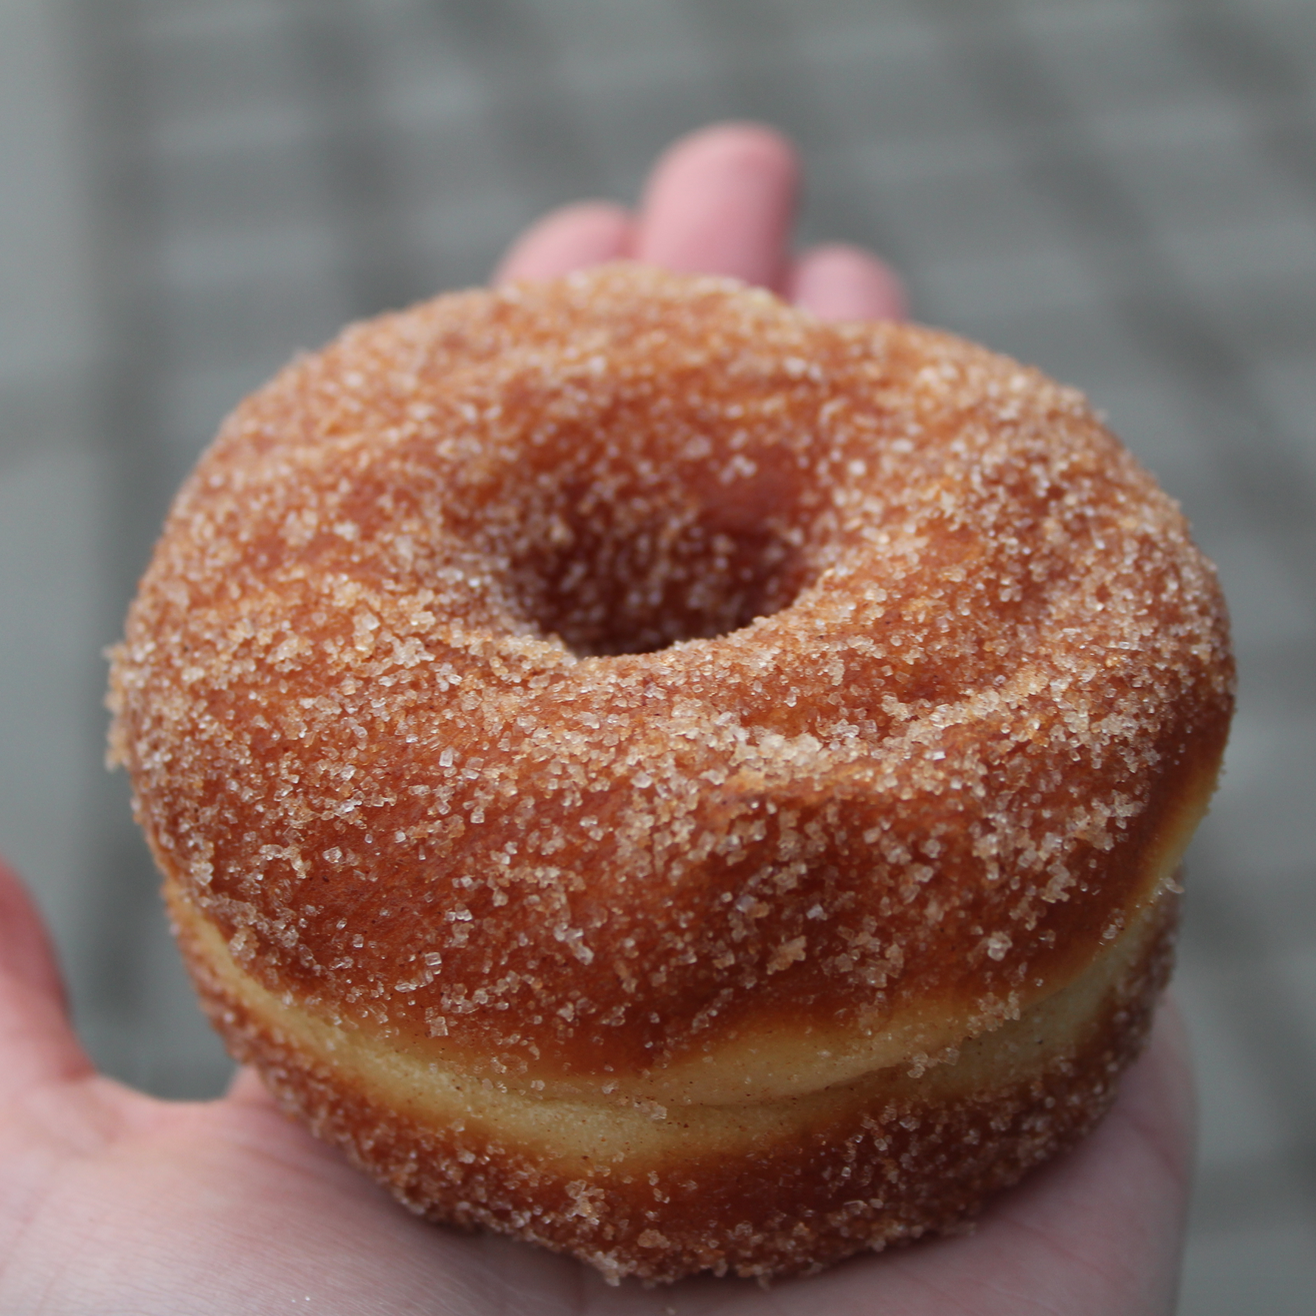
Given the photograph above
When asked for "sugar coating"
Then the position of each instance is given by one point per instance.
(577, 674)
(769, 1189)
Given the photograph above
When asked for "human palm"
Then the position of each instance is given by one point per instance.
(115, 1202)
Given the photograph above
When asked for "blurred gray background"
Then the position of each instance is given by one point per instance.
(1122, 192)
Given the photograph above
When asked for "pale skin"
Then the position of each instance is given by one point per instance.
(113, 1201)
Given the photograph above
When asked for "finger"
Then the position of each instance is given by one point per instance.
(839, 282)
(722, 201)
(568, 239)
(37, 1043)
(247, 1088)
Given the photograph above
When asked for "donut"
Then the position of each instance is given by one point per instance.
(651, 773)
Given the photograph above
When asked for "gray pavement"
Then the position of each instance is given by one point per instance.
(1121, 191)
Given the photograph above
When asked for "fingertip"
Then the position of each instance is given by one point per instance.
(26, 954)
(842, 282)
(1159, 1094)
(721, 200)
(571, 238)
(247, 1088)
(742, 142)
(37, 1042)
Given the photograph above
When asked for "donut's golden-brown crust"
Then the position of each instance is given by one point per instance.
(806, 1181)
(631, 684)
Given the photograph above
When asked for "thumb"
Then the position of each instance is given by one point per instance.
(37, 1042)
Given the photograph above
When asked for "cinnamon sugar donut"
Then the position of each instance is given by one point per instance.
(651, 773)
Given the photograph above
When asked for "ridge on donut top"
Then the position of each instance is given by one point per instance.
(628, 703)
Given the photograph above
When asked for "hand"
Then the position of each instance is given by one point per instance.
(721, 201)
(112, 1201)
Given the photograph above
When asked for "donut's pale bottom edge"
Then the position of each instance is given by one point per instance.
(886, 1158)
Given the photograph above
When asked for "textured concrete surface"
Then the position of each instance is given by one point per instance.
(1122, 191)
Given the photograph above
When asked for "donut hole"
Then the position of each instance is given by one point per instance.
(613, 566)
